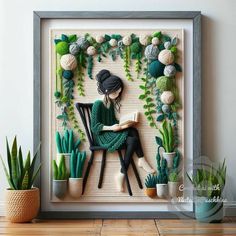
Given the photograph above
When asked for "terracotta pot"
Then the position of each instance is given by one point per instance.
(22, 205)
(173, 189)
(59, 188)
(67, 160)
(75, 187)
(162, 190)
(151, 192)
(169, 156)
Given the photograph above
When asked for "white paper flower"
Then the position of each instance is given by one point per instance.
(127, 40)
(155, 41)
(143, 39)
(99, 39)
(167, 45)
(151, 52)
(68, 62)
(167, 97)
(113, 42)
(169, 71)
(91, 50)
(74, 48)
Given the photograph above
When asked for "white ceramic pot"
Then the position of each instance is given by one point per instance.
(162, 190)
(169, 156)
(173, 189)
(75, 187)
(67, 160)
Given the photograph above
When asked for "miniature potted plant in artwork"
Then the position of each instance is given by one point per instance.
(167, 142)
(209, 185)
(65, 144)
(77, 161)
(22, 199)
(150, 183)
(60, 176)
(162, 177)
(173, 183)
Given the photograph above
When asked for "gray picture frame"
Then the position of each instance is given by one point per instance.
(194, 16)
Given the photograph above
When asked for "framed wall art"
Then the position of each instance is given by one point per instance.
(117, 108)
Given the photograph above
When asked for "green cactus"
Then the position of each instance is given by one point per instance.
(59, 171)
(150, 181)
(65, 143)
(162, 176)
(20, 175)
(77, 161)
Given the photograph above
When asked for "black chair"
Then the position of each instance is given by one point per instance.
(85, 110)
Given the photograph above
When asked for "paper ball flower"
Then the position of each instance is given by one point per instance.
(165, 108)
(164, 83)
(74, 49)
(151, 52)
(67, 74)
(167, 45)
(136, 47)
(155, 41)
(113, 42)
(156, 68)
(82, 42)
(99, 39)
(68, 62)
(170, 71)
(166, 57)
(167, 97)
(127, 40)
(91, 50)
(143, 39)
(62, 48)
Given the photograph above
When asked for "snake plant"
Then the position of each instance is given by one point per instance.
(59, 171)
(77, 161)
(20, 174)
(150, 181)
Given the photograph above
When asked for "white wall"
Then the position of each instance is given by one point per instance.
(219, 81)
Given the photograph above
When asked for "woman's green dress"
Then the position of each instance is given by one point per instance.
(103, 116)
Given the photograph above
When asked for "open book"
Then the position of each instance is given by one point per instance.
(129, 119)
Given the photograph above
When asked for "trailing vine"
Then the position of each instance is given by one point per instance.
(127, 62)
(90, 66)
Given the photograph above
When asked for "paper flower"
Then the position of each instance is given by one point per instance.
(68, 62)
(167, 97)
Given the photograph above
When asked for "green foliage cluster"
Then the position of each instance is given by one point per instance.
(151, 181)
(77, 161)
(59, 171)
(162, 176)
(209, 182)
(20, 174)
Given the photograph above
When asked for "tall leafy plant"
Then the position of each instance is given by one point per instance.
(77, 161)
(20, 174)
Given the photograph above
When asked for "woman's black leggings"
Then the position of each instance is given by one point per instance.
(132, 145)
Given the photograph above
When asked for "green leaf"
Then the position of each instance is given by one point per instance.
(64, 38)
(56, 41)
(178, 67)
(161, 117)
(148, 99)
(159, 141)
(72, 38)
(25, 181)
(165, 38)
(14, 162)
(142, 96)
(142, 87)
(174, 41)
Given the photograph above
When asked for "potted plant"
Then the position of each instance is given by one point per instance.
(77, 161)
(65, 144)
(22, 199)
(167, 142)
(60, 176)
(173, 183)
(150, 183)
(162, 177)
(209, 185)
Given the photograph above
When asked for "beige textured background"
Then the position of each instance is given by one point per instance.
(130, 102)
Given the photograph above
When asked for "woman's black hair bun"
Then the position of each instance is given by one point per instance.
(103, 75)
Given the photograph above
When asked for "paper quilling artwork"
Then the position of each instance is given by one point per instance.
(117, 115)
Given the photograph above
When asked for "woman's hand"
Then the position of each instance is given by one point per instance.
(116, 127)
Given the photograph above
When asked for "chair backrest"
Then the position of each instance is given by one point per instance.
(85, 111)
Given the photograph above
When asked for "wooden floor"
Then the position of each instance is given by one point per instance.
(117, 227)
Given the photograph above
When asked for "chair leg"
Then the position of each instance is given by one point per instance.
(125, 172)
(87, 171)
(103, 164)
(136, 174)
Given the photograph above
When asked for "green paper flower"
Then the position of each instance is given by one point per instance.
(62, 48)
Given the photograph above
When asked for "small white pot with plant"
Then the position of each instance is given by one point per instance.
(162, 177)
(22, 199)
(76, 166)
(173, 184)
(65, 144)
(60, 176)
(167, 142)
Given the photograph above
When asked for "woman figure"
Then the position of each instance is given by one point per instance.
(106, 129)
